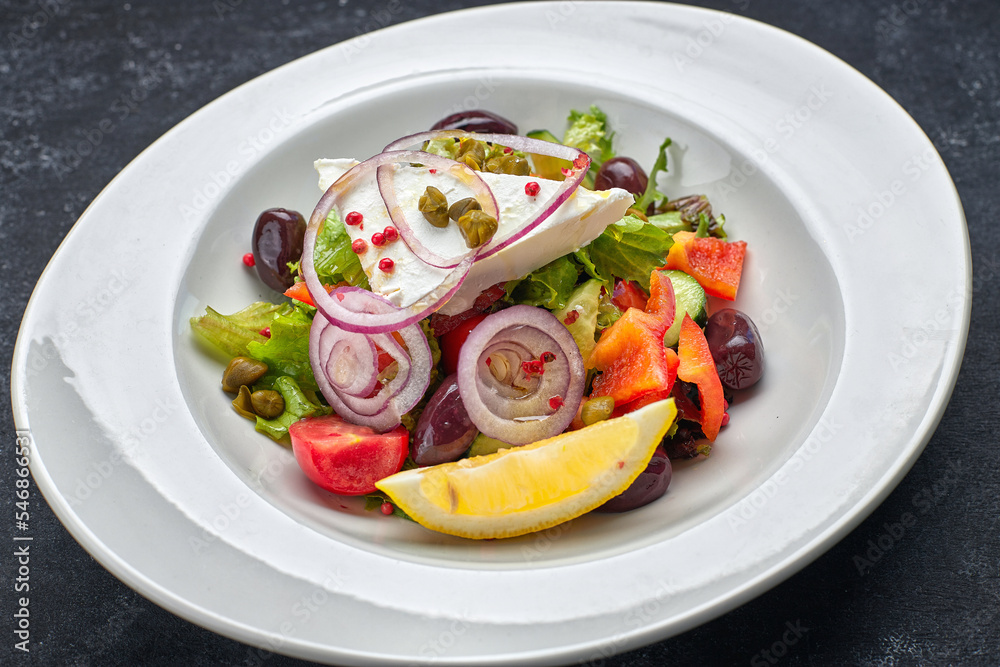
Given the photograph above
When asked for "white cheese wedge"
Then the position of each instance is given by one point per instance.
(577, 222)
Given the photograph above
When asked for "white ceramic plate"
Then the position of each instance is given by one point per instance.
(858, 276)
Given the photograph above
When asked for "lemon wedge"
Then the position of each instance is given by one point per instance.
(525, 489)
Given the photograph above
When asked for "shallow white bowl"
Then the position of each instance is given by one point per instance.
(857, 275)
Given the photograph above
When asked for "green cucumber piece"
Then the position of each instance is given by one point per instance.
(690, 299)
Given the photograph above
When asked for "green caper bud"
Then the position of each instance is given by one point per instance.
(463, 206)
(494, 165)
(434, 205)
(241, 371)
(512, 164)
(267, 403)
(473, 147)
(597, 409)
(472, 162)
(243, 404)
(477, 228)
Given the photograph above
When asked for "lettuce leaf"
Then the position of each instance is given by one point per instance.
(234, 333)
(549, 287)
(297, 406)
(333, 258)
(588, 132)
(652, 195)
(629, 249)
(286, 352)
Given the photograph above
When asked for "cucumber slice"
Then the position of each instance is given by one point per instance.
(691, 299)
(585, 302)
(544, 165)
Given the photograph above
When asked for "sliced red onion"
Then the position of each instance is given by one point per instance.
(328, 343)
(387, 319)
(354, 367)
(545, 404)
(461, 171)
(581, 163)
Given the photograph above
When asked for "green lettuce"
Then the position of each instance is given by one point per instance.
(652, 195)
(286, 352)
(630, 249)
(333, 258)
(233, 334)
(588, 132)
(297, 406)
(549, 287)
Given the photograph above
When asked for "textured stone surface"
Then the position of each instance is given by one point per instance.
(70, 70)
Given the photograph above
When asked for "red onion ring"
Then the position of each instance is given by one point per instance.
(350, 400)
(386, 319)
(528, 416)
(581, 163)
(384, 175)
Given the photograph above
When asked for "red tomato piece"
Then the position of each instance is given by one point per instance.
(627, 294)
(345, 458)
(451, 343)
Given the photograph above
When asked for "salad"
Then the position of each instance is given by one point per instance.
(491, 333)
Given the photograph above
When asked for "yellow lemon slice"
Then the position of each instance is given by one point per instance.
(525, 489)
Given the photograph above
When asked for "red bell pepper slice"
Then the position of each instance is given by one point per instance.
(631, 353)
(698, 367)
(716, 264)
(300, 292)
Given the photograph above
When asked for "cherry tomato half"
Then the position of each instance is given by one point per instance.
(346, 458)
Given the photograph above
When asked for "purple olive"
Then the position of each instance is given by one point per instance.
(444, 430)
(736, 347)
(476, 120)
(624, 173)
(277, 240)
(647, 487)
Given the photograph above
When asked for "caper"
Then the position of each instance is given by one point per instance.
(512, 164)
(596, 409)
(477, 228)
(463, 206)
(434, 205)
(243, 404)
(469, 146)
(267, 403)
(472, 162)
(494, 165)
(241, 371)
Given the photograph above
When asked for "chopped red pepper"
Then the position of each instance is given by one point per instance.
(300, 292)
(698, 367)
(716, 264)
(631, 353)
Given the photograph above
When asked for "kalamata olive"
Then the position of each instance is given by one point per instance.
(277, 240)
(444, 430)
(624, 173)
(476, 120)
(647, 487)
(736, 347)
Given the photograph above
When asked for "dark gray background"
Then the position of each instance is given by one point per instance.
(933, 598)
